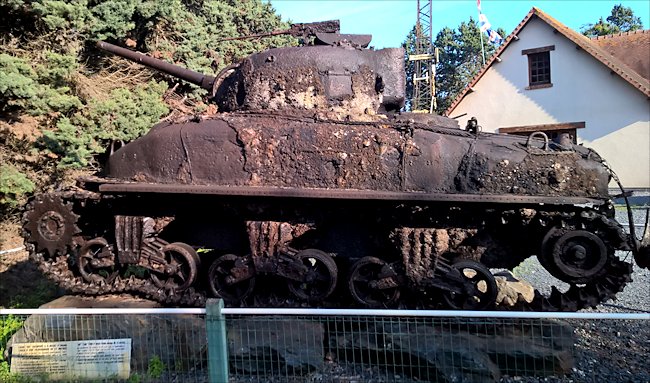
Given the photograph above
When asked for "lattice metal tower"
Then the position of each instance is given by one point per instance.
(424, 60)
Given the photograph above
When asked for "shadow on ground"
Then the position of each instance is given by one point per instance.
(22, 285)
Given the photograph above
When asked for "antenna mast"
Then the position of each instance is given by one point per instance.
(424, 60)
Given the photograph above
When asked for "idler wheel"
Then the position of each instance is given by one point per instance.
(480, 288)
(180, 267)
(319, 279)
(371, 284)
(578, 256)
(50, 224)
(96, 261)
(573, 256)
(229, 278)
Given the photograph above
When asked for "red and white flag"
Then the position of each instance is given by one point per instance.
(485, 26)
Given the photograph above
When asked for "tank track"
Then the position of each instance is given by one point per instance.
(59, 269)
(617, 275)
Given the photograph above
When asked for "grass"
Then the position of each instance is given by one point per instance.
(156, 367)
(8, 326)
(524, 268)
(43, 292)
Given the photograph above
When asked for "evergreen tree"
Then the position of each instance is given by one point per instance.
(624, 19)
(460, 59)
(410, 48)
(621, 19)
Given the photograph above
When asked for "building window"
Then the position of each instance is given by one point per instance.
(539, 67)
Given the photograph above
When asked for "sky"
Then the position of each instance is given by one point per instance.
(389, 21)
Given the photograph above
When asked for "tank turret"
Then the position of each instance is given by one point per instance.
(336, 76)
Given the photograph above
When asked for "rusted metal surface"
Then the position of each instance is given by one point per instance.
(51, 224)
(238, 280)
(341, 84)
(268, 238)
(348, 194)
(271, 151)
(196, 78)
(420, 251)
(128, 238)
(309, 176)
(337, 79)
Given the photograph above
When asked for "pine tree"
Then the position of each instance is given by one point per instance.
(621, 19)
(460, 59)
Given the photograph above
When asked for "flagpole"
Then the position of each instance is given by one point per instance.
(484, 26)
(480, 32)
(482, 48)
(478, 6)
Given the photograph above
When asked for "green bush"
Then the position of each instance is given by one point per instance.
(14, 186)
(7, 377)
(125, 115)
(8, 326)
(37, 89)
(156, 367)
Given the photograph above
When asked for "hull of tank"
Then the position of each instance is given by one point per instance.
(249, 150)
(346, 213)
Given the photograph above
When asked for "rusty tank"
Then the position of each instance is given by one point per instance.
(310, 187)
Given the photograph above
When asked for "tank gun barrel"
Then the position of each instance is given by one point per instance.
(196, 78)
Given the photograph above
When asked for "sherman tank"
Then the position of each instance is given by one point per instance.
(309, 187)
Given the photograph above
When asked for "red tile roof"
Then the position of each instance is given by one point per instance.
(598, 48)
(632, 48)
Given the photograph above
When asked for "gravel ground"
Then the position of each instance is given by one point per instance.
(605, 350)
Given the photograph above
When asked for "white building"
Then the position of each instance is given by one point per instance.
(548, 77)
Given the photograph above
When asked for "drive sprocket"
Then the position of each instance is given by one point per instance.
(50, 224)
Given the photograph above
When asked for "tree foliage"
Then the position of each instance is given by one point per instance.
(14, 186)
(621, 19)
(124, 116)
(182, 31)
(36, 88)
(460, 59)
(50, 69)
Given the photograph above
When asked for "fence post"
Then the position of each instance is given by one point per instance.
(217, 341)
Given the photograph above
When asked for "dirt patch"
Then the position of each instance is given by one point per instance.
(26, 128)
(10, 239)
(70, 176)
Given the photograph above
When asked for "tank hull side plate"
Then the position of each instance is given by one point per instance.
(115, 188)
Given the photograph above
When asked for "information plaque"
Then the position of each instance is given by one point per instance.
(91, 359)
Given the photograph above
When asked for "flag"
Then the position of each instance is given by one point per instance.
(485, 26)
(494, 37)
(483, 23)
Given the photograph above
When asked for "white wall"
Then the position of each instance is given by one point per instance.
(626, 150)
(617, 115)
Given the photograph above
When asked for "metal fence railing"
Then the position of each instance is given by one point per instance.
(364, 349)
(298, 345)
(118, 345)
